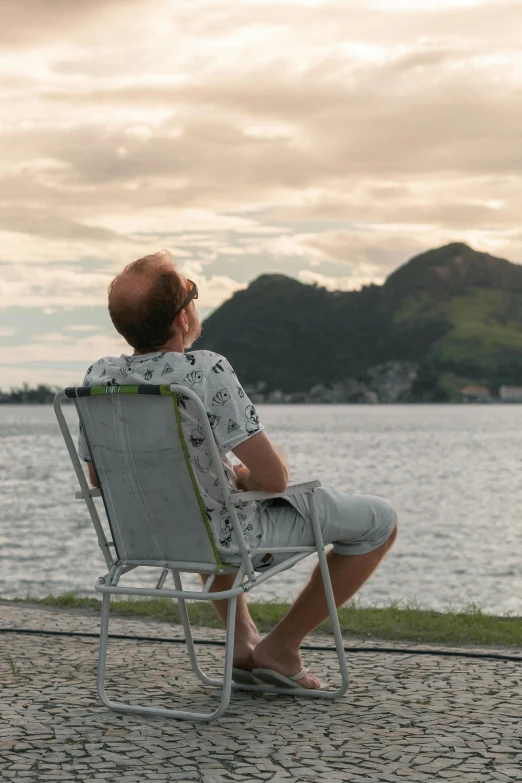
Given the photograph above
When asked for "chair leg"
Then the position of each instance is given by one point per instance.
(191, 649)
(120, 706)
(102, 655)
(330, 598)
(334, 618)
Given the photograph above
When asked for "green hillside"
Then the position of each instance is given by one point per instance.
(452, 311)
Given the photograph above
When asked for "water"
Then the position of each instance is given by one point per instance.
(453, 472)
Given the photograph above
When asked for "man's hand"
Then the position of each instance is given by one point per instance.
(243, 480)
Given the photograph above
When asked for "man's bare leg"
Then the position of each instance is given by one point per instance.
(247, 636)
(280, 649)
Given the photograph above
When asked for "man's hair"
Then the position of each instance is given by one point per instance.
(145, 318)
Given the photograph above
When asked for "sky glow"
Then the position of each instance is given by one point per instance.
(329, 141)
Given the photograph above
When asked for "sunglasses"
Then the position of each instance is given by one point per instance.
(192, 295)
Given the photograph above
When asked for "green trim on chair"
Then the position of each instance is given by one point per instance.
(129, 389)
(219, 563)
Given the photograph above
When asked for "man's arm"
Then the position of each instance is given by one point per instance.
(263, 468)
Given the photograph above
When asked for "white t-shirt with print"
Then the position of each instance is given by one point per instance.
(232, 417)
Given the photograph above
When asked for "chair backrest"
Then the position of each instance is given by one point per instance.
(151, 496)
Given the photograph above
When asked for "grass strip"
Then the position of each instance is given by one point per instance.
(395, 622)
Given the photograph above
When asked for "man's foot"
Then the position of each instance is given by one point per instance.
(287, 662)
(244, 645)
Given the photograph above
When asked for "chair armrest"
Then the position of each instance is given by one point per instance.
(292, 489)
(93, 492)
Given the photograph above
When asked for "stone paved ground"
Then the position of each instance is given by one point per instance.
(405, 718)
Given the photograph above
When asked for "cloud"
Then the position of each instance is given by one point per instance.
(31, 285)
(56, 348)
(45, 223)
(56, 358)
(82, 328)
(38, 22)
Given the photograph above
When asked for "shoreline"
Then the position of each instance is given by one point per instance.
(467, 627)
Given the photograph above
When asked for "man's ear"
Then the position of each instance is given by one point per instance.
(181, 323)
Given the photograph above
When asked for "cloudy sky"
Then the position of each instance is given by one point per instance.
(327, 140)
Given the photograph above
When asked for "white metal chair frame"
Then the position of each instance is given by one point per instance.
(246, 580)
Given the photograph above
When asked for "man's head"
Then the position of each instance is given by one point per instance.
(144, 300)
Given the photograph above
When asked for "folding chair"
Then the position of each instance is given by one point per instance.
(157, 518)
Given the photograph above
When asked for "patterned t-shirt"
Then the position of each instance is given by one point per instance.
(232, 417)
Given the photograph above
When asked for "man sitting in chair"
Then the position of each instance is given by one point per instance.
(151, 304)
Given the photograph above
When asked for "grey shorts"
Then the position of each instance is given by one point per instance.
(354, 524)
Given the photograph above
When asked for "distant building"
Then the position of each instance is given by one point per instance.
(275, 397)
(510, 393)
(476, 394)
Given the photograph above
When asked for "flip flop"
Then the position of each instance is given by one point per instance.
(243, 676)
(275, 678)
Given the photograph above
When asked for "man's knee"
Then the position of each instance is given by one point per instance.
(393, 535)
(388, 527)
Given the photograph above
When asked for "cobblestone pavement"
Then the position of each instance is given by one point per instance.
(405, 717)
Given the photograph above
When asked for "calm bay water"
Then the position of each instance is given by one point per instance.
(453, 472)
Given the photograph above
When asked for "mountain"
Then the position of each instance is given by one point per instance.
(456, 313)
(453, 269)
